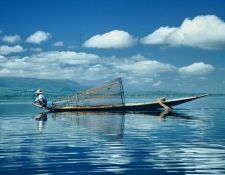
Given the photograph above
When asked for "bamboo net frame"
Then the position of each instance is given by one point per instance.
(108, 94)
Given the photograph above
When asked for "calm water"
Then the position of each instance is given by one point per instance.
(190, 140)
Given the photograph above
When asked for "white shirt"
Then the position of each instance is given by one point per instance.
(41, 98)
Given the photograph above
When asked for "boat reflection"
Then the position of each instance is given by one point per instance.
(110, 124)
(165, 114)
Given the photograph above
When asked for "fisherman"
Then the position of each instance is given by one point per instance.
(40, 99)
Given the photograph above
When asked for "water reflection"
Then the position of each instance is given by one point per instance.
(42, 120)
(108, 125)
(163, 115)
(129, 143)
(185, 141)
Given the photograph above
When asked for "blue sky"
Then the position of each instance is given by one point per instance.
(162, 45)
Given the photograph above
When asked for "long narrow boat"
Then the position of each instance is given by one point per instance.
(110, 97)
(147, 106)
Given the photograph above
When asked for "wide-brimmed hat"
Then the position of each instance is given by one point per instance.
(38, 91)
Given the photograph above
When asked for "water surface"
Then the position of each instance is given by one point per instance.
(190, 140)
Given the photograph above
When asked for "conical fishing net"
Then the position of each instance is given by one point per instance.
(108, 94)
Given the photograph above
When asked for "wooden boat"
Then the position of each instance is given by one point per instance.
(110, 97)
(147, 106)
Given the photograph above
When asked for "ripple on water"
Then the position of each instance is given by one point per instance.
(187, 141)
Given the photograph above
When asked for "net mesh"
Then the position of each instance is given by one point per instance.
(110, 93)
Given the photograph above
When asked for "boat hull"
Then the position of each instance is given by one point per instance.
(148, 106)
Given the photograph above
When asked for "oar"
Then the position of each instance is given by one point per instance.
(38, 105)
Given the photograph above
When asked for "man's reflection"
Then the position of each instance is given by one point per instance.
(42, 119)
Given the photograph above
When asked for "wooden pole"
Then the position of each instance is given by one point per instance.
(122, 91)
(164, 105)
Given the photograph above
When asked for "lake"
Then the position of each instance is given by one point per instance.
(190, 140)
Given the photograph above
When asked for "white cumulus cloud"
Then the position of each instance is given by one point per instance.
(140, 66)
(3, 59)
(6, 50)
(113, 39)
(157, 83)
(205, 32)
(38, 37)
(36, 49)
(160, 36)
(83, 67)
(196, 69)
(11, 39)
(58, 44)
(87, 67)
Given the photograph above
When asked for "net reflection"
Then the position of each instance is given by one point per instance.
(110, 126)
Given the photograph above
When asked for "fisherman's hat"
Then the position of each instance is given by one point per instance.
(38, 91)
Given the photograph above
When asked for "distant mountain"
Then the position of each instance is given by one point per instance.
(54, 85)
